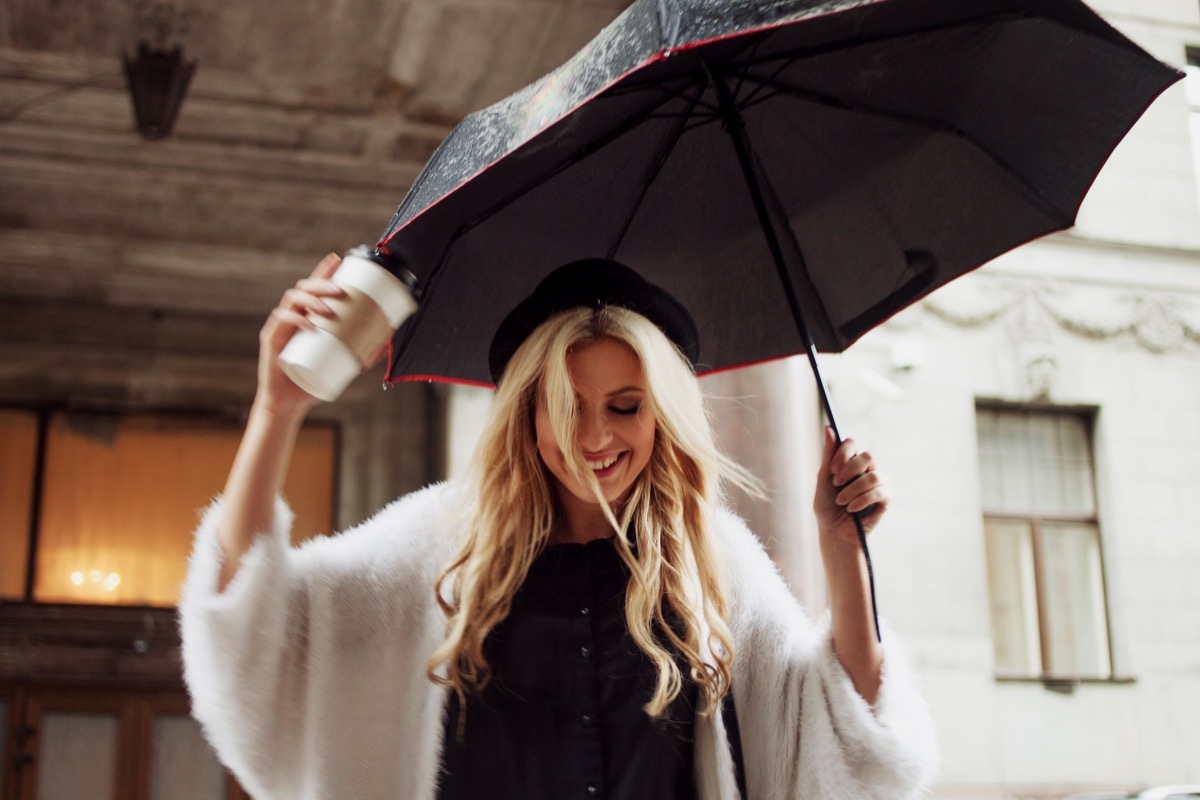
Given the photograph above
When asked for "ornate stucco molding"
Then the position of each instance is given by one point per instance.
(1158, 321)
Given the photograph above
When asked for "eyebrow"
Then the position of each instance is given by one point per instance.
(626, 390)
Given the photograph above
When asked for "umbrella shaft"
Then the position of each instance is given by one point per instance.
(735, 126)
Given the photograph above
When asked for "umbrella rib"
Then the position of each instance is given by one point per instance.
(635, 87)
(678, 115)
(580, 154)
(792, 56)
(760, 87)
(937, 126)
(762, 97)
(743, 74)
(700, 122)
(664, 151)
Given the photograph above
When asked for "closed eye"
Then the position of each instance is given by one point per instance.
(626, 411)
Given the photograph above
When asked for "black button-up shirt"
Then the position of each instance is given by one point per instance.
(562, 715)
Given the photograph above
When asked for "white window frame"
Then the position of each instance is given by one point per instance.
(1040, 648)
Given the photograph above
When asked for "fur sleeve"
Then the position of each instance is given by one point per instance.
(806, 732)
(244, 655)
(308, 670)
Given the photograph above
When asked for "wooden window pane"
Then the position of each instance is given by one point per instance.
(986, 425)
(1013, 595)
(1045, 582)
(1073, 438)
(184, 767)
(1078, 482)
(1035, 462)
(1013, 436)
(18, 460)
(1043, 435)
(1018, 486)
(77, 756)
(1047, 486)
(1074, 588)
(991, 477)
(1079, 496)
(990, 460)
(120, 500)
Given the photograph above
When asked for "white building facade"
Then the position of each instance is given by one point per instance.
(1040, 421)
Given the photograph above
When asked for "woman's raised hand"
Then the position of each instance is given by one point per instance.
(848, 482)
(274, 422)
(276, 391)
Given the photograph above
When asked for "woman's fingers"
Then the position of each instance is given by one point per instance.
(320, 287)
(289, 319)
(305, 302)
(327, 266)
(848, 462)
(301, 301)
(858, 494)
(854, 484)
(306, 298)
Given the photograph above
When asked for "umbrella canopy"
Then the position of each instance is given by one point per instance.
(766, 161)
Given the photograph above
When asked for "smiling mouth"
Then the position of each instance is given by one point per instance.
(604, 465)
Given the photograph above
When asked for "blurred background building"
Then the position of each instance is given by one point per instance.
(1039, 419)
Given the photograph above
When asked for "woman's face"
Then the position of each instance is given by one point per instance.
(615, 424)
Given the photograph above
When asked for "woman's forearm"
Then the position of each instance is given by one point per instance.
(279, 408)
(254, 481)
(852, 621)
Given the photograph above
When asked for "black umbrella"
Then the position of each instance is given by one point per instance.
(794, 171)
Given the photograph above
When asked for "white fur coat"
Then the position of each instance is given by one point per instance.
(308, 673)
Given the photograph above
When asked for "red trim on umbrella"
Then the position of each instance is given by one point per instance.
(438, 379)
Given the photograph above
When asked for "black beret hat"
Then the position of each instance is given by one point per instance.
(593, 283)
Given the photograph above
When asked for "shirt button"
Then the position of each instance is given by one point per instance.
(587, 719)
(583, 651)
(593, 791)
(585, 610)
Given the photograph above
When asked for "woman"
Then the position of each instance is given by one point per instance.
(582, 618)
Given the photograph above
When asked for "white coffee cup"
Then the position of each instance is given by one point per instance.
(324, 361)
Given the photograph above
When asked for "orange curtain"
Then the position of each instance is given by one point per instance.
(18, 458)
(121, 495)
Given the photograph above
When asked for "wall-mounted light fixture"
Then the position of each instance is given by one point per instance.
(158, 76)
(158, 81)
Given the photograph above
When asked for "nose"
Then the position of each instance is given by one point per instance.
(594, 432)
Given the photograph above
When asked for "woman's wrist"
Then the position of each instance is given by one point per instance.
(275, 412)
(838, 544)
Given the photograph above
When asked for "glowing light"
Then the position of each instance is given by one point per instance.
(100, 580)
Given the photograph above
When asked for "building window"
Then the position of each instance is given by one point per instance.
(1045, 571)
(100, 508)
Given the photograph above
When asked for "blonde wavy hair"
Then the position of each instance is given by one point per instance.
(669, 511)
